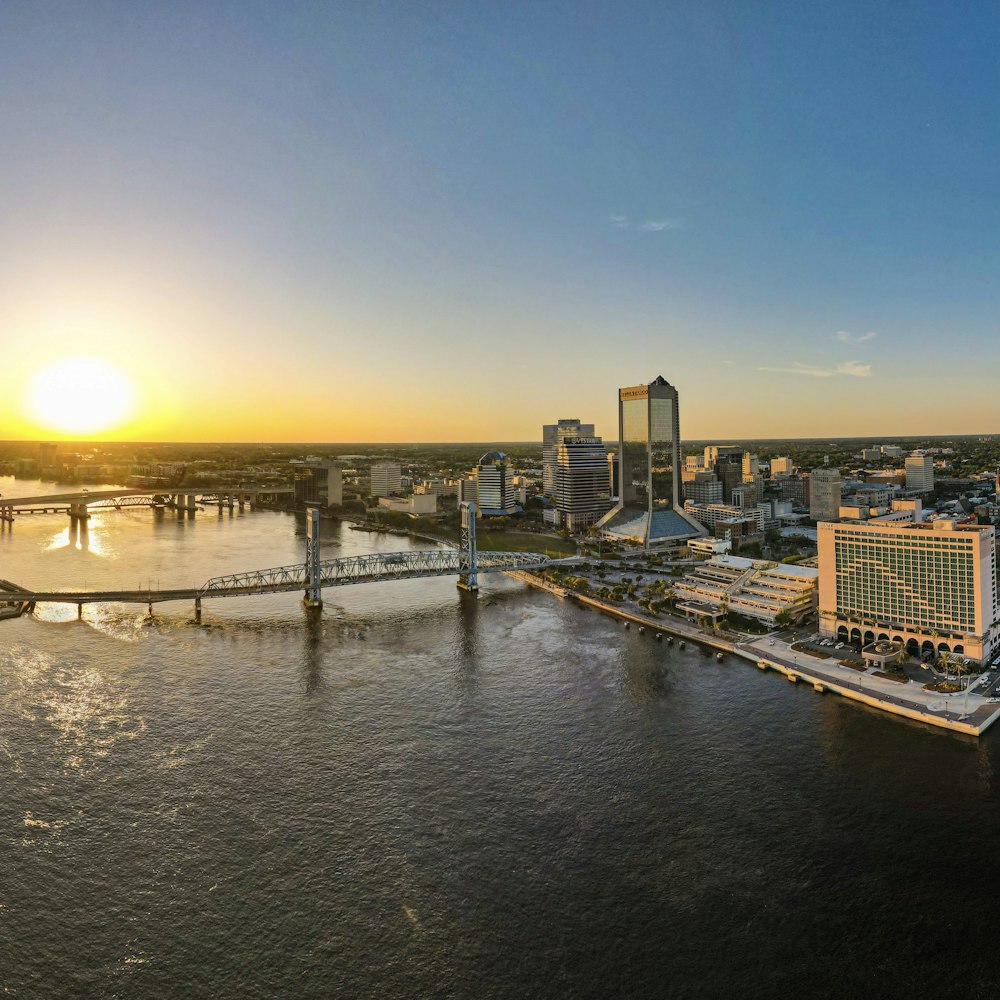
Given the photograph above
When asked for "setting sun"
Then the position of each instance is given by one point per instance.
(81, 395)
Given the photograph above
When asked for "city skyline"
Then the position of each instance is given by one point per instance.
(354, 209)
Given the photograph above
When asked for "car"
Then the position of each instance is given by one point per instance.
(771, 643)
(839, 645)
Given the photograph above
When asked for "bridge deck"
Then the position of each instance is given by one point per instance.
(374, 568)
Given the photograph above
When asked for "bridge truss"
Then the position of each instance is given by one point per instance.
(373, 568)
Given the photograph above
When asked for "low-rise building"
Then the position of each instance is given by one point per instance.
(757, 589)
(416, 504)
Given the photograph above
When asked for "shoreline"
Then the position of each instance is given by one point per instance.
(864, 688)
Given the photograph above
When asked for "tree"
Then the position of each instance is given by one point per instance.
(783, 618)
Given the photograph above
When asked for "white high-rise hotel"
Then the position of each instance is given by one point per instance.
(931, 586)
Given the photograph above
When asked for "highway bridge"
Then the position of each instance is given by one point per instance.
(81, 503)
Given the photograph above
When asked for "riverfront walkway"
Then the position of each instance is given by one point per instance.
(970, 714)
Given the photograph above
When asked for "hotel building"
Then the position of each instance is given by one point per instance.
(931, 585)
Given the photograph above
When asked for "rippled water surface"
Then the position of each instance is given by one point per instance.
(421, 794)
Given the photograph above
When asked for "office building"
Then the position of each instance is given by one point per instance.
(719, 518)
(728, 467)
(495, 495)
(749, 493)
(552, 436)
(48, 457)
(713, 452)
(931, 586)
(705, 487)
(649, 464)
(751, 465)
(920, 472)
(749, 587)
(824, 494)
(317, 483)
(781, 465)
(386, 479)
(414, 505)
(795, 489)
(582, 483)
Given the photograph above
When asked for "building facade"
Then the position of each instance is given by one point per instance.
(386, 478)
(931, 586)
(920, 472)
(705, 487)
(649, 467)
(552, 436)
(582, 483)
(824, 494)
(495, 493)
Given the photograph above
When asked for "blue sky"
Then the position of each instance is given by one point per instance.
(460, 221)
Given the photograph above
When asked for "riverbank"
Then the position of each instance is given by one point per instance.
(969, 714)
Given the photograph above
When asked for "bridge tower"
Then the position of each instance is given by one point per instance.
(314, 577)
(469, 579)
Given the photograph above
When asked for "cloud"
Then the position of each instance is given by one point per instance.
(649, 226)
(846, 337)
(856, 369)
(658, 225)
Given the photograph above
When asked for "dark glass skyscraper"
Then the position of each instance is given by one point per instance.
(649, 457)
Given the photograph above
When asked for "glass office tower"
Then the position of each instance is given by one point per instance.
(649, 457)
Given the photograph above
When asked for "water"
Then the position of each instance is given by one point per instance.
(421, 794)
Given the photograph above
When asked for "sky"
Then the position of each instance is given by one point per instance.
(458, 221)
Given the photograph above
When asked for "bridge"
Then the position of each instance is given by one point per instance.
(79, 504)
(313, 575)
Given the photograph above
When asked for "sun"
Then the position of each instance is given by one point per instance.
(82, 395)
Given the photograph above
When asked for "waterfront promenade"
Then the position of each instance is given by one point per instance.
(962, 713)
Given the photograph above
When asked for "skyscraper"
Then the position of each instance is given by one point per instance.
(582, 483)
(552, 436)
(649, 463)
(824, 495)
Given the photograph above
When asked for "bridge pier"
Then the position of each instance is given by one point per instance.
(191, 500)
(469, 579)
(197, 610)
(314, 575)
(79, 611)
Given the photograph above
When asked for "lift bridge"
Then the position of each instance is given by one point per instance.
(315, 574)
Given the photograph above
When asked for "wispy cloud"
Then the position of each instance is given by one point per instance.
(658, 225)
(856, 369)
(649, 226)
(846, 337)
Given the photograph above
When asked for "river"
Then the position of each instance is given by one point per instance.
(418, 793)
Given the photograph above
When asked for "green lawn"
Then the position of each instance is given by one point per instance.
(522, 541)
